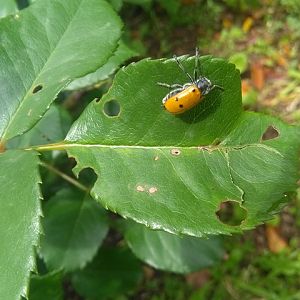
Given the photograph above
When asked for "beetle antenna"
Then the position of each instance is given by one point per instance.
(196, 70)
(183, 69)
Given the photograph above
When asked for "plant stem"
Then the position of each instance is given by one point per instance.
(48, 147)
(65, 177)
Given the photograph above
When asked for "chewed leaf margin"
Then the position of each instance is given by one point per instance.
(173, 172)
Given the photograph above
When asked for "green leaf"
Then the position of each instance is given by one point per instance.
(75, 226)
(122, 54)
(240, 60)
(8, 7)
(265, 168)
(58, 42)
(144, 3)
(142, 120)
(170, 170)
(114, 271)
(46, 287)
(53, 127)
(169, 252)
(116, 4)
(19, 222)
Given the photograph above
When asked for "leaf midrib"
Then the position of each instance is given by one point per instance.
(208, 148)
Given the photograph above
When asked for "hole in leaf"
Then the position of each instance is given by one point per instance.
(112, 108)
(37, 88)
(87, 177)
(231, 213)
(270, 133)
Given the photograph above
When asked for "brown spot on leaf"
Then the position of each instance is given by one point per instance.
(175, 152)
(140, 188)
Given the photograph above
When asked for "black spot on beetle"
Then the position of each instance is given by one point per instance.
(180, 105)
(193, 90)
(37, 88)
(176, 99)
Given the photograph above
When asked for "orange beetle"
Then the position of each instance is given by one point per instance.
(184, 97)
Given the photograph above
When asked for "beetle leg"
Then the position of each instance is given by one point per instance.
(176, 86)
(217, 86)
(170, 86)
(164, 85)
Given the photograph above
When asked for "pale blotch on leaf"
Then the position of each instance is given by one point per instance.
(152, 190)
(231, 213)
(270, 133)
(175, 152)
(156, 158)
(140, 188)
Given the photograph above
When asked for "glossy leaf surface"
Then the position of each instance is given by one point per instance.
(142, 120)
(175, 172)
(75, 226)
(58, 41)
(122, 54)
(19, 222)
